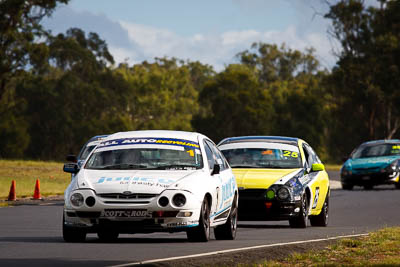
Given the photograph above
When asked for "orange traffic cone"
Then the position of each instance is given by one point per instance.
(37, 195)
(12, 196)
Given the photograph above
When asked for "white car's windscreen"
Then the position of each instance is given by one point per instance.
(146, 153)
(262, 155)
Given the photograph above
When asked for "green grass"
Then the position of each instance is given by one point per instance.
(332, 167)
(53, 180)
(380, 248)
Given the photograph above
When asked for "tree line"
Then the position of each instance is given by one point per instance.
(56, 91)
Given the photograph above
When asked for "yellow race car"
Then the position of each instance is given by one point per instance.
(279, 178)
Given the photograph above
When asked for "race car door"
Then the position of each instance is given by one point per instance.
(226, 181)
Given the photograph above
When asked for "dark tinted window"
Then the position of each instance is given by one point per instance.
(313, 158)
(209, 155)
(85, 152)
(262, 158)
(218, 156)
(378, 150)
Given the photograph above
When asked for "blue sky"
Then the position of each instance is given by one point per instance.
(212, 32)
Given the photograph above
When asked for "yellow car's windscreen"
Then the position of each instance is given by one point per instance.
(285, 157)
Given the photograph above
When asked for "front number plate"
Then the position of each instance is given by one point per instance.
(125, 213)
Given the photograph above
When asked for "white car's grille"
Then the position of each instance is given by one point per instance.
(126, 196)
(117, 198)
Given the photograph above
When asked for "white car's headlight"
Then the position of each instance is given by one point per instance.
(76, 199)
(179, 200)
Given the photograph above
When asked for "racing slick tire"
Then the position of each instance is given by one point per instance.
(201, 233)
(73, 234)
(301, 220)
(322, 218)
(107, 235)
(346, 186)
(228, 230)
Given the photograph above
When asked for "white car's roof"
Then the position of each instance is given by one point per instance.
(190, 136)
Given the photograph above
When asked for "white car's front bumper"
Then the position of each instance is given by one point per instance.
(133, 214)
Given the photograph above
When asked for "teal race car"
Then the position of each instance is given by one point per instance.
(372, 163)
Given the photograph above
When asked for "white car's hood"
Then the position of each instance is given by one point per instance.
(141, 181)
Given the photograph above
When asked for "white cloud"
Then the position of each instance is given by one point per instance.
(217, 49)
(123, 55)
(134, 43)
(235, 37)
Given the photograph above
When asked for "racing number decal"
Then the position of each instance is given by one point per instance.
(292, 154)
(316, 198)
(191, 152)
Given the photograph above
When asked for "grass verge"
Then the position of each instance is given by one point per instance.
(380, 248)
(53, 180)
(332, 167)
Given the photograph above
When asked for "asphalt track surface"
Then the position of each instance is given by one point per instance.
(30, 235)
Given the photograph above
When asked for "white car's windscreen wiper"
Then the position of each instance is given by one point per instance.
(177, 167)
(124, 166)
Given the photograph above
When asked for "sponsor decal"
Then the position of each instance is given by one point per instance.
(182, 224)
(287, 153)
(153, 141)
(228, 189)
(126, 213)
(267, 152)
(316, 198)
(161, 182)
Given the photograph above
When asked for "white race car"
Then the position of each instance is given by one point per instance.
(151, 181)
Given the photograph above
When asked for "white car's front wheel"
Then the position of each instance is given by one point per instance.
(107, 235)
(73, 234)
(201, 233)
(227, 231)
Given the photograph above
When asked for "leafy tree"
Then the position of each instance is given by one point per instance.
(14, 137)
(74, 97)
(275, 63)
(20, 32)
(302, 110)
(238, 103)
(21, 48)
(294, 81)
(367, 77)
(200, 74)
(162, 95)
